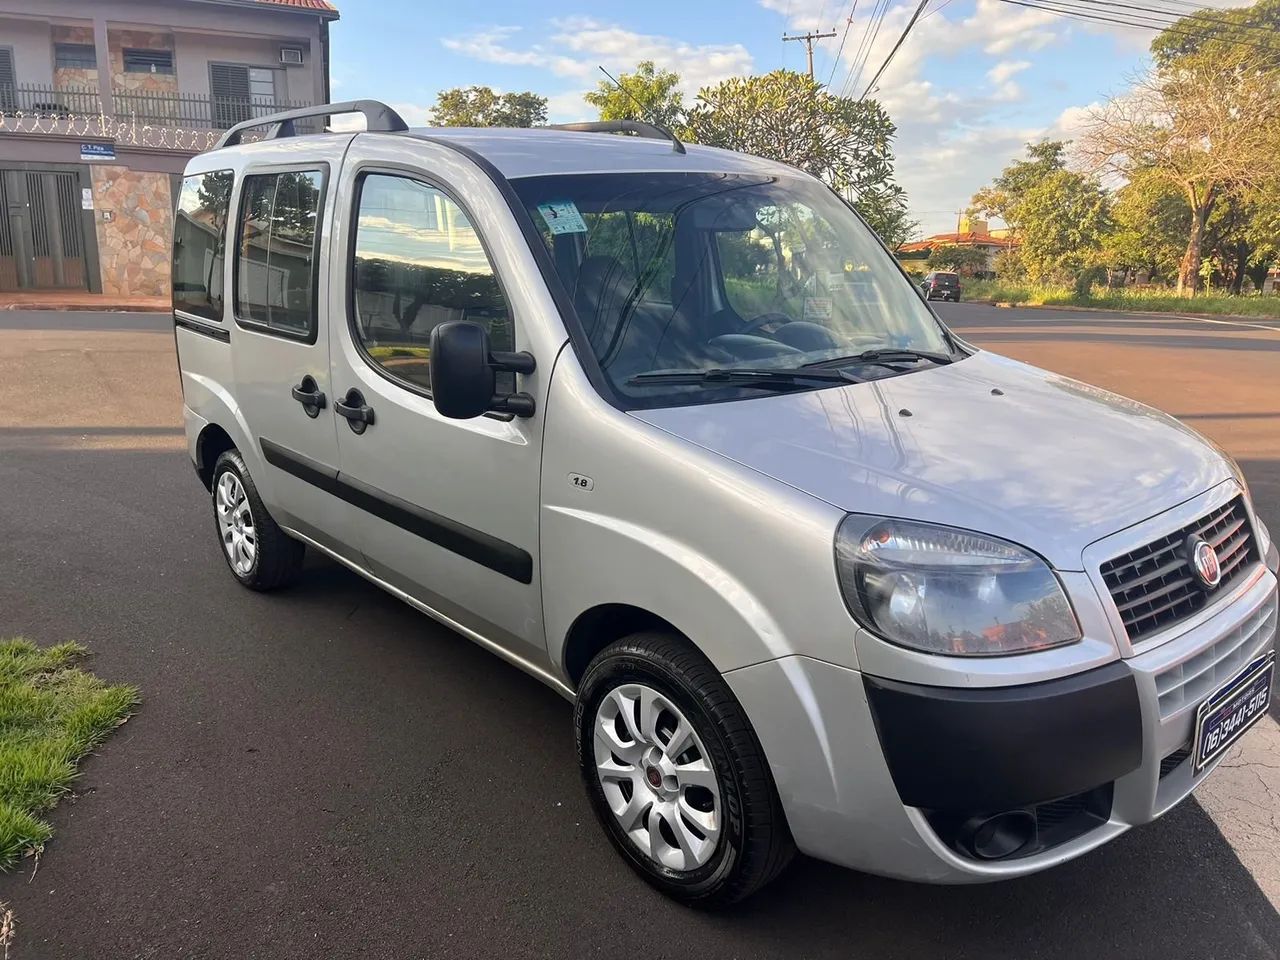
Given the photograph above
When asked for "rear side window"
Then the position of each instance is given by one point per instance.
(199, 243)
(418, 263)
(277, 252)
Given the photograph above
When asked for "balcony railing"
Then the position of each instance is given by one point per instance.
(181, 110)
(194, 111)
(39, 100)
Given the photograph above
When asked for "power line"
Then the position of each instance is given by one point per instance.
(864, 47)
(1076, 13)
(1171, 16)
(901, 40)
(848, 22)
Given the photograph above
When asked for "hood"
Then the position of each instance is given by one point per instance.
(1045, 461)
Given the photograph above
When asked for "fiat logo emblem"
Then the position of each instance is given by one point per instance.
(1204, 560)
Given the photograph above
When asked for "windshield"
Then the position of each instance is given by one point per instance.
(680, 273)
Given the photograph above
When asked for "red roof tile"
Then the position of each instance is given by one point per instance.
(323, 5)
(957, 239)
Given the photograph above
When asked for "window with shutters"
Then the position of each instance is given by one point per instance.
(241, 93)
(148, 61)
(8, 81)
(74, 56)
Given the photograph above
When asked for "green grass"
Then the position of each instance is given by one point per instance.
(1153, 300)
(51, 715)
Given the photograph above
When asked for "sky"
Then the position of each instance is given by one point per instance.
(975, 81)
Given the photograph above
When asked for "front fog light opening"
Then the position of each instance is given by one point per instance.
(947, 591)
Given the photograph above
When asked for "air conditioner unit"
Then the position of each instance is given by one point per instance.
(291, 55)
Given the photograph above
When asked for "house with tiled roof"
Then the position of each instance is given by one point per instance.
(972, 233)
(102, 102)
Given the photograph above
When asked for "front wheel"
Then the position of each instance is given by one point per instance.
(675, 773)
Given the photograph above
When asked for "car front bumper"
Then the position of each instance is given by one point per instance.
(870, 770)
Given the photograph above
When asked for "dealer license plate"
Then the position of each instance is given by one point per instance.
(1223, 718)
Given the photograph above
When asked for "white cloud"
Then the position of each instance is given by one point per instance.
(1006, 69)
(578, 46)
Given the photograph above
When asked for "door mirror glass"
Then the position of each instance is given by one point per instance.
(463, 381)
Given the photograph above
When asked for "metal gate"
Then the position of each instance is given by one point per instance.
(42, 244)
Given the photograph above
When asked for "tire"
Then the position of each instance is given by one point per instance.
(276, 558)
(753, 843)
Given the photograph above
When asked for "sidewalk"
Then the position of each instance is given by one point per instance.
(81, 300)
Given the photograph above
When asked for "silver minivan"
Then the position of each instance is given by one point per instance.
(669, 429)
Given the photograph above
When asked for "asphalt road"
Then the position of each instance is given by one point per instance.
(326, 773)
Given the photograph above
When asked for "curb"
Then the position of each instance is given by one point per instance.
(1009, 305)
(88, 307)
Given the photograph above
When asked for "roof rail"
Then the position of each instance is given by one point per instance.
(379, 118)
(650, 131)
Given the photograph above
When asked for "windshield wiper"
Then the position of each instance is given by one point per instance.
(885, 356)
(756, 376)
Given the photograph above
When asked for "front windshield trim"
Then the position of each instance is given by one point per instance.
(710, 392)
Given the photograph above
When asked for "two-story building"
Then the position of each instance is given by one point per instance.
(102, 102)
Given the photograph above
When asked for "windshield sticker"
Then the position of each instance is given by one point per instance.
(562, 217)
(817, 308)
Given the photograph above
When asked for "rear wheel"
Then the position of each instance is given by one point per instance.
(259, 553)
(675, 772)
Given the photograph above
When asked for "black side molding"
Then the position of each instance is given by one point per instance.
(996, 748)
(205, 330)
(476, 545)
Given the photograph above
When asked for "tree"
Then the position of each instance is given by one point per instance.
(1064, 219)
(789, 117)
(1150, 218)
(951, 257)
(647, 94)
(484, 107)
(1206, 120)
(1002, 199)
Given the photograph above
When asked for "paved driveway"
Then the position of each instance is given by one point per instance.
(326, 773)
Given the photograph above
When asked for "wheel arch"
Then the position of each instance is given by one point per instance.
(212, 442)
(596, 628)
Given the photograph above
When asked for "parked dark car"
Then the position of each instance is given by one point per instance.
(940, 285)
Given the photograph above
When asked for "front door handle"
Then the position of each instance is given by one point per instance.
(359, 414)
(309, 394)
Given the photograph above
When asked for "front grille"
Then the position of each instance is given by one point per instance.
(1155, 586)
(1199, 675)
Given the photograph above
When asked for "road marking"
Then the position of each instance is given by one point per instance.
(1228, 323)
(1243, 797)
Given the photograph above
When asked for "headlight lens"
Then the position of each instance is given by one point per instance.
(949, 591)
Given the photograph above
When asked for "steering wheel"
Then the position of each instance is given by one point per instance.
(764, 320)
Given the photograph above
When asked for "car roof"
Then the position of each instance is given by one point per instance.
(538, 151)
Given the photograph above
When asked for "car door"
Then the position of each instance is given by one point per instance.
(449, 507)
(280, 347)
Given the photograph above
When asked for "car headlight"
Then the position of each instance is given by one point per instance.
(949, 591)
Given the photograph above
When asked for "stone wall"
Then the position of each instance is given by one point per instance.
(79, 78)
(133, 247)
(120, 40)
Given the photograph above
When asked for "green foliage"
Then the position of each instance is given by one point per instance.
(1064, 218)
(1150, 218)
(1003, 198)
(480, 106)
(789, 117)
(1126, 299)
(948, 257)
(651, 95)
(51, 715)
(1008, 265)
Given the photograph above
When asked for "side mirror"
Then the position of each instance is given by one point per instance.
(464, 373)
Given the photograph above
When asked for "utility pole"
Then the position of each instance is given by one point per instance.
(808, 39)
